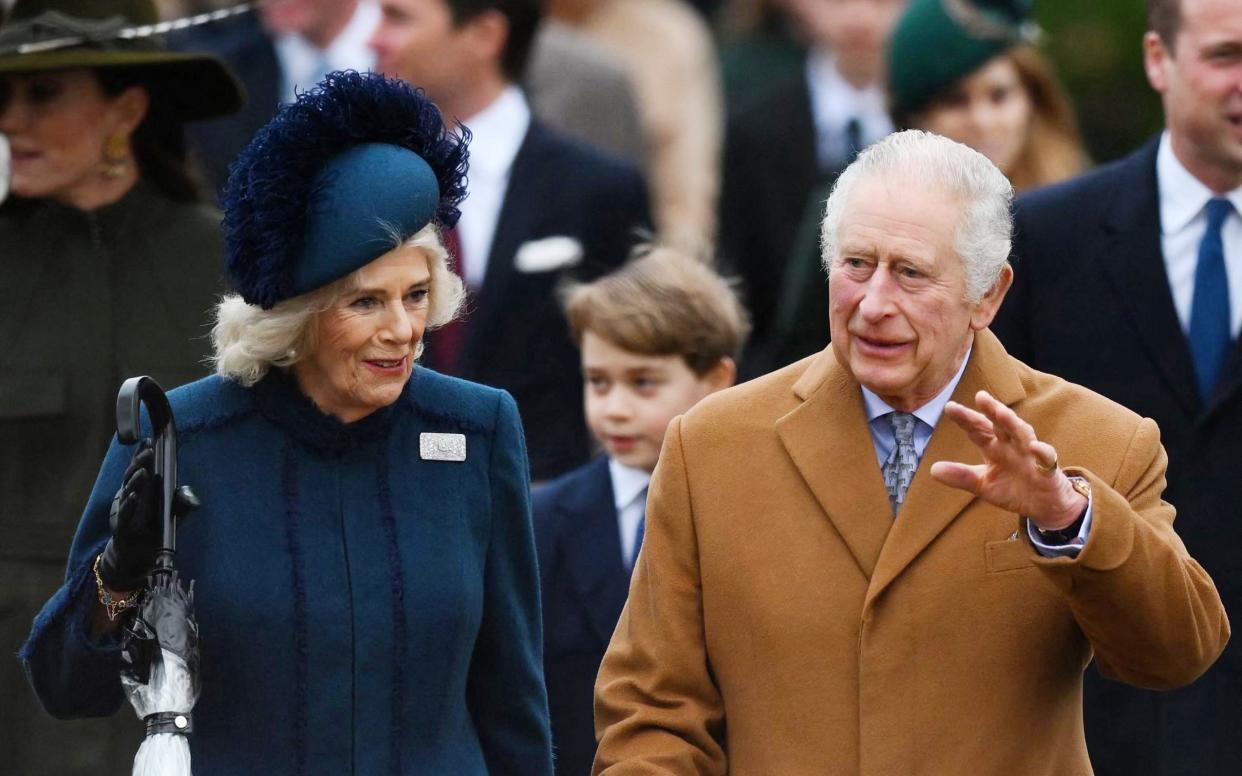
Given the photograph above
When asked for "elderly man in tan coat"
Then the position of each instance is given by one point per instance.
(896, 557)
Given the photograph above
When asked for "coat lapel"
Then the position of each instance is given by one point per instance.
(930, 507)
(828, 440)
(593, 560)
(516, 223)
(1133, 262)
(1230, 379)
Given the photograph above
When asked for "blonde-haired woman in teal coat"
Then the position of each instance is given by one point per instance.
(363, 559)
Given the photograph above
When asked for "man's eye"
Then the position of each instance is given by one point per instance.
(910, 272)
(854, 262)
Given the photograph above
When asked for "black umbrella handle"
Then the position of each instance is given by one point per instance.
(135, 392)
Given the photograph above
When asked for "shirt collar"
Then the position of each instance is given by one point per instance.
(497, 133)
(1182, 195)
(930, 412)
(627, 483)
(347, 51)
(834, 100)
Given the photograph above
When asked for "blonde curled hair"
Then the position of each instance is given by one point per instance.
(247, 340)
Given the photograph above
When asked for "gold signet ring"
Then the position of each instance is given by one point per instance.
(1049, 468)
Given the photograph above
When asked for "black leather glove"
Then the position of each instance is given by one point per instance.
(137, 525)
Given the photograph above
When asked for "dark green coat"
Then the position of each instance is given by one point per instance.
(86, 299)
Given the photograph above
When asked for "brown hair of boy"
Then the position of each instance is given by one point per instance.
(662, 302)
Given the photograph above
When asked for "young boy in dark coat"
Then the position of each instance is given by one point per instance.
(656, 336)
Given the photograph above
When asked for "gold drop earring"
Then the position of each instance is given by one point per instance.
(116, 156)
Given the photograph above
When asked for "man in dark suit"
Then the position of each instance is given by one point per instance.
(784, 145)
(1129, 281)
(285, 45)
(540, 207)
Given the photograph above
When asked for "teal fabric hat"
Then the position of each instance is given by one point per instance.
(61, 34)
(937, 42)
(328, 184)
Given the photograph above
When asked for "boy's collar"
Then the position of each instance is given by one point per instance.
(627, 482)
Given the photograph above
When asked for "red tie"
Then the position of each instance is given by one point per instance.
(447, 342)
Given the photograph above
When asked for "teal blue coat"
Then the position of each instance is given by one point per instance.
(362, 610)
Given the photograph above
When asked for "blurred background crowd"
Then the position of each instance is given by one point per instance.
(717, 126)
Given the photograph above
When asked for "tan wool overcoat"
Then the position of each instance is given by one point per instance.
(781, 620)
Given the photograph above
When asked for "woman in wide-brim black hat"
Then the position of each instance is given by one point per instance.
(109, 265)
(90, 108)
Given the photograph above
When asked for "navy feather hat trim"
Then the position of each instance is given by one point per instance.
(321, 188)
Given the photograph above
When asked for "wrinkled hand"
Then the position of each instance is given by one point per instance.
(1019, 472)
(137, 524)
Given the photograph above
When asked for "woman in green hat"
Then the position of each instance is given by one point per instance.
(968, 70)
(109, 267)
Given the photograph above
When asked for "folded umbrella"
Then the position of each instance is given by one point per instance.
(160, 645)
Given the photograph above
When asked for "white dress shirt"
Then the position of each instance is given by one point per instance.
(629, 491)
(834, 101)
(1183, 221)
(303, 64)
(497, 134)
(884, 440)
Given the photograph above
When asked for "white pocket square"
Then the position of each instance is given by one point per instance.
(548, 254)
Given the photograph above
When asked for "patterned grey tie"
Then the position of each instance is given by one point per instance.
(899, 469)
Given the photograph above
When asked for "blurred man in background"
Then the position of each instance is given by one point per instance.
(541, 206)
(1129, 281)
(283, 47)
(794, 138)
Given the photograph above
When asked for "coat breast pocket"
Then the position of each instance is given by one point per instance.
(1009, 555)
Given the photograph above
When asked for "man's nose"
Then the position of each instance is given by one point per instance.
(877, 299)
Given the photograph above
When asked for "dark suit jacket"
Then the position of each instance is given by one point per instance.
(244, 46)
(517, 338)
(770, 170)
(1091, 303)
(584, 584)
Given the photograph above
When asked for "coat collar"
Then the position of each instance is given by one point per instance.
(1133, 262)
(827, 433)
(593, 558)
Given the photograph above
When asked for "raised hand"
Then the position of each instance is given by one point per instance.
(1019, 473)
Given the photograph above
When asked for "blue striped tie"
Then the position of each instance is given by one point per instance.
(1209, 312)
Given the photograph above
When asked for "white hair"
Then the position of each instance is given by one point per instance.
(248, 340)
(985, 231)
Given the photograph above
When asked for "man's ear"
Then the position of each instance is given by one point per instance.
(986, 309)
(1156, 59)
(489, 34)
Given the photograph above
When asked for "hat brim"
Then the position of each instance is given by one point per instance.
(192, 87)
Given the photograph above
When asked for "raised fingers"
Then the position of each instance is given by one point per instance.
(974, 423)
(959, 475)
(1045, 457)
(1009, 427)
